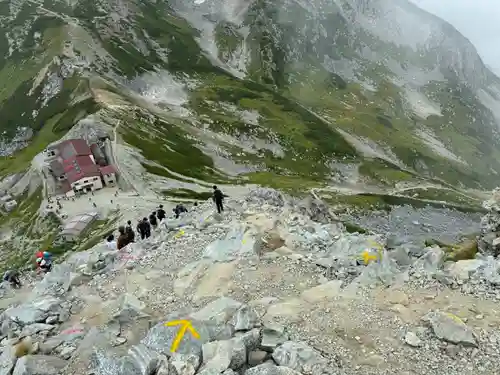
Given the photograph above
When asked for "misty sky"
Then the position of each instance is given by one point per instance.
(478, 20)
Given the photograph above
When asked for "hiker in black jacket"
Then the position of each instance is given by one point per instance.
(130, 232)
(161, 214)
(144, 228)
(179, 209)
(218, 197)
(153, 220)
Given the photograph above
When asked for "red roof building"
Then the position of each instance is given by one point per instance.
(108, 169)
(77, 167)
(80, 167)
(73, 147)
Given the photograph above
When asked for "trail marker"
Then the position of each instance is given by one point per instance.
(367, 257)
(185, 326)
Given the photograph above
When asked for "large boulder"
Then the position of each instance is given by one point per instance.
(266, 195)
(7, 360)
(316, 210)
(219, 311)
(35, 311)
(271, 369)
(239, 242)
(39, 365)
(221, 355)
(302, 358)
(161, 337)
(451, 328)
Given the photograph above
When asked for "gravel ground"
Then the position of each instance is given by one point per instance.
(362, 333)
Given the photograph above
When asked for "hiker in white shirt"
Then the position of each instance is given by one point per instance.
(111, 242)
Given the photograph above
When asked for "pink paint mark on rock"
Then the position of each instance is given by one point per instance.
(72, 330)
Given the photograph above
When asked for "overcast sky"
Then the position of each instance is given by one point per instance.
(478, 20)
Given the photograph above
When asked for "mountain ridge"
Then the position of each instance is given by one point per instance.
(380, 101)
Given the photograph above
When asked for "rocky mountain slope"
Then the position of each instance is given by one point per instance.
(273, 286)
(280, 93)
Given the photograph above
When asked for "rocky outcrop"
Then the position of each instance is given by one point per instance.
(489, 238)
(242, 328)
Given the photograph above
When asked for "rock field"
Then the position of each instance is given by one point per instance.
(274, 286)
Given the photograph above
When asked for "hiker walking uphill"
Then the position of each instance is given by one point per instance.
(153, 220)
(161, 214)
(130, 232)
(179, 209)
(43, 261)
(218, 198)
(144, 228)
(123, 238)
(12, 276)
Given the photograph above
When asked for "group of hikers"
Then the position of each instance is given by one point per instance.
(144, 227)
(126, 235)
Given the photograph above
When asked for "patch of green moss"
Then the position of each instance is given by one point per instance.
(188, 194)
(227, 38)
(312, 141)
(170, 146)
(462, 251)
(294, 185)
(445, 195)
(360, 201)
(369, 201)
(50, 124)
(354, 228)
(387, 173)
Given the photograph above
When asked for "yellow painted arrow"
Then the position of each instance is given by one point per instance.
(367, 257)
(185, 325)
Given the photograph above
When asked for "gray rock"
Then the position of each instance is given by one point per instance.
(67, 351)
(101, 363)
(257, 357)
(219, 332)
(184, 364)
(26, 314)
(412, 339)
(245, 319)
(52, 319)
(209, 371)
(450, 328)
(393, 241)
(219, 311)
(129, 308)
(58, 281)
(220, 355)
(164, 367)
(35, 311)
(229, 372)
(93, 341)
(250, 339)
(432, 259)
(273, 335)
(463, 269)
(270, 369)
(401, 256)
(233, 246)
(35, 328)
(70, 336)
(161, 337)
(39, 365)
(8, 327)
(146, 360)
(7, 360)
(300, 357)
(64, 315)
